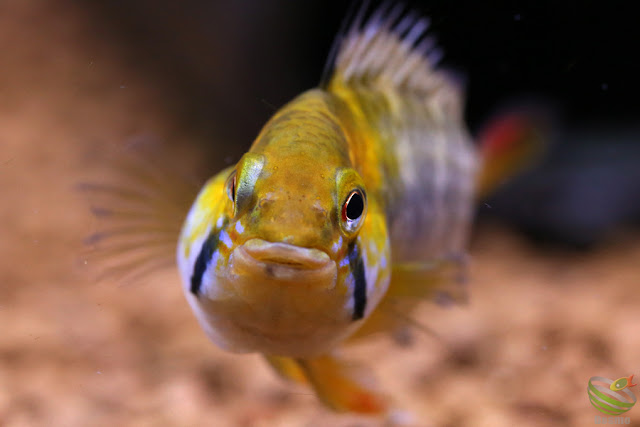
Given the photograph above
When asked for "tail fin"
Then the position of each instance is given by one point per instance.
(509, 144)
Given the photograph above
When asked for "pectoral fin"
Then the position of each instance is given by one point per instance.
(140, 209)
(441, 281)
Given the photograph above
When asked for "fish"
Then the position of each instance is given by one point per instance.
(622, 383)
(353, 205)
(353, 195)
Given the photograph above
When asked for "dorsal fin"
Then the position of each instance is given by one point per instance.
(408, 116)
(390, 48)
(354, 13)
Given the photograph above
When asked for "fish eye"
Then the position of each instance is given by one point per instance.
(353, 207)
(351, 211)
(241, 182)
(231, 186)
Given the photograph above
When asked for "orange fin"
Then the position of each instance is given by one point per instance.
(341, 386)
(509, 144)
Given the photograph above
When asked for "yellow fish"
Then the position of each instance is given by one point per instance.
(290, 252)
(622, 383)
(353, 203)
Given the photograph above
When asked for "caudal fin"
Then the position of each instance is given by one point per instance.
(509, 144)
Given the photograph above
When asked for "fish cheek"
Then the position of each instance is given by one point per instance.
(252, 219)
(326, 234)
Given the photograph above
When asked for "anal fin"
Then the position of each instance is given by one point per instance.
(342, 386)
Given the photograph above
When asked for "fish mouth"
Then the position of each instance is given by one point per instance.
(279, 298)
(283, 261)
(285, 254)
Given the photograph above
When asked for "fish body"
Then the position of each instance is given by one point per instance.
(352, 205)
(354, 196)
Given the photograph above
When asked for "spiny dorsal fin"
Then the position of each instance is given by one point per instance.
(390, 49)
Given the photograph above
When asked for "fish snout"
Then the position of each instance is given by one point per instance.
(285, 254)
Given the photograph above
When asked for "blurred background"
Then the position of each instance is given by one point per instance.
(555, 254)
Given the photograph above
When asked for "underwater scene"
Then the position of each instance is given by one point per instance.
(338, 213)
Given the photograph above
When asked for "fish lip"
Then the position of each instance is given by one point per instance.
(285, 255)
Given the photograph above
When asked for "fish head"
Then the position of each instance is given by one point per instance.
(283, 271)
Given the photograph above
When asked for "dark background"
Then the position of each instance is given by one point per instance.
(226, 66)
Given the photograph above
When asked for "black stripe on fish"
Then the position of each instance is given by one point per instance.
(204, 257)
(360, 281)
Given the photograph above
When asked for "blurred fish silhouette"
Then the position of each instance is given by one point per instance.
(353, 204)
